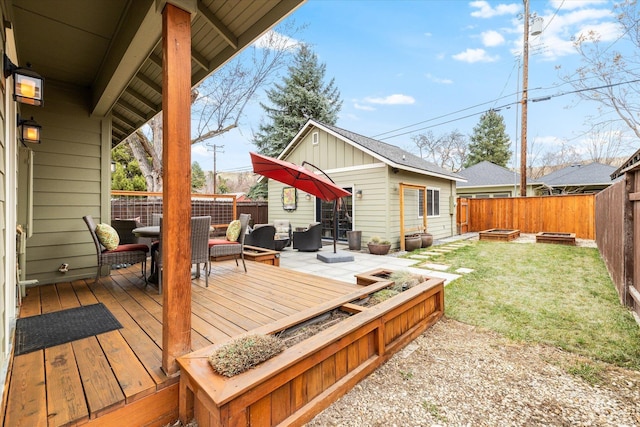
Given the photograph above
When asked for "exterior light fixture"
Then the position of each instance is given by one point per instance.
(359, 194)
(113, 166)
(307, 196)
(29, 130)
(27, 84)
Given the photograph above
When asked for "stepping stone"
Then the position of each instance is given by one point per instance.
(439, 267)
(431, 253)
(463, 270)
(420, 256)
(442, 251)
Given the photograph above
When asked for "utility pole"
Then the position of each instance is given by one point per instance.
(215, 148)
(525, 88)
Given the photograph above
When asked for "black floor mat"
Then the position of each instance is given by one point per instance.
(47, 330)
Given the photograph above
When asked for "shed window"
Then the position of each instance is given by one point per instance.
(433, 202)
(315, 138)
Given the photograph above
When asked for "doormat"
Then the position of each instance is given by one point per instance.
(47, 330)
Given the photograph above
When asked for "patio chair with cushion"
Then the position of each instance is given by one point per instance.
(233, 244)
(309, 239)
(200, 226)
(109, 250)
(283, 233)
(262, 236)
(125, 227)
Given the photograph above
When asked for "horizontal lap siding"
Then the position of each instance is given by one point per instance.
(67, 185)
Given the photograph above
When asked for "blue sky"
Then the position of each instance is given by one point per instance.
(400, 65)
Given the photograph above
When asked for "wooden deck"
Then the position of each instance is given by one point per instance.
(115, 378)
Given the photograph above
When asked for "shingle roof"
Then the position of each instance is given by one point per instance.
(593, 173)
(394, 156)
(486, 173)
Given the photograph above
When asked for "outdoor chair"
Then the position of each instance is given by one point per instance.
(308, 240)
(132, 253)
(262, 236)
(226, 247)
(200, 226)
(125, 227)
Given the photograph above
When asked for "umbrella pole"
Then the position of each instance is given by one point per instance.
(335, 224)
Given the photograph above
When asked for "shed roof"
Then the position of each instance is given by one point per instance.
(392, 155)
(591, 174)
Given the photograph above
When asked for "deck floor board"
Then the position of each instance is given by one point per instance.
(94, 380)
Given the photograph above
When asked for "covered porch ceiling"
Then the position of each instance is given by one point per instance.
(113, 47)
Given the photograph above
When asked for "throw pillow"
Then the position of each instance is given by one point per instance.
(108, 236)
(233, 231)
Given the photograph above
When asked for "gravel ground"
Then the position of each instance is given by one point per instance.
(458, 375)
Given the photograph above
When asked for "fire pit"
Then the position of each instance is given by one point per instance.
(499, 234)
(557, 238)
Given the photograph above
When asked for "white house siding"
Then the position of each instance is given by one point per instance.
(68, 167)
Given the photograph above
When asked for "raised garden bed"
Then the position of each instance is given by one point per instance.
(499, 234)
(557, 238)
(308, 376)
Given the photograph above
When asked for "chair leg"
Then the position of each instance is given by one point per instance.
(206, 275)
(243, 263)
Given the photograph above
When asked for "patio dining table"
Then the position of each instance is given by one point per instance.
(148, 231)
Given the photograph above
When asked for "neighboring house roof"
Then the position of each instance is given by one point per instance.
(487, 174)
(393, 156)
(576, 175)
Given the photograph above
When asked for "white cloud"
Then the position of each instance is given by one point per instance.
(485, 10)
(272, 37)
(363, 107)
(475, 55)
(428, 34)
(395, 99)
(199, 150)
(438, 80)
(492, 38)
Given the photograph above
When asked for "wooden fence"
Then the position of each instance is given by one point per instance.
(563, 214)
(618, 236)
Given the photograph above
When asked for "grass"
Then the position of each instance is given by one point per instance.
(541, 293)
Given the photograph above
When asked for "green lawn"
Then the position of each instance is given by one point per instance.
(543, 293)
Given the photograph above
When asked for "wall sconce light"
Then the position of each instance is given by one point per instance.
(359, 194)
(113, 166)
(27, 84)
(307, 196)
(29, 130)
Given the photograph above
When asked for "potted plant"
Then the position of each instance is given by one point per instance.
(412, 242)
(377, 246)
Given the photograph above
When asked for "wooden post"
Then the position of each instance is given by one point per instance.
(176, 176)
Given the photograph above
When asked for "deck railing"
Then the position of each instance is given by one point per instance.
(141, 205)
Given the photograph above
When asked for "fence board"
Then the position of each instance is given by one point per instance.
(566, 214)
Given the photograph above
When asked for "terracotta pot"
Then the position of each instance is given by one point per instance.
(411, 243)
(427, 239)
(377, 249)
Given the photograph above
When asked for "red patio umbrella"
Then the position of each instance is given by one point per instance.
(297, 176)
(300, 178)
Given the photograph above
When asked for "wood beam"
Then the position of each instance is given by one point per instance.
(217, 25)
(176, 203)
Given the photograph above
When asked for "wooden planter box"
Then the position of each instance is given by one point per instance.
(294, 386)
(499, 234)
(557, 238)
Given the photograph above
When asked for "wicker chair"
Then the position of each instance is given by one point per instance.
(200, 226)
(223, 247)
(309, 239)
(125, 227)
(123, 254)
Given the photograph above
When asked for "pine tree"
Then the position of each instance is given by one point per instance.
(197, 177)
(301, 96)
(489, 141)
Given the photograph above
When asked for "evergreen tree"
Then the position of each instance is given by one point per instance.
(489, 141)
(198, 178)
(128, 175)
(301, 96)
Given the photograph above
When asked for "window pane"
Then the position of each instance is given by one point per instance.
(429, 202)
(436, 202)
